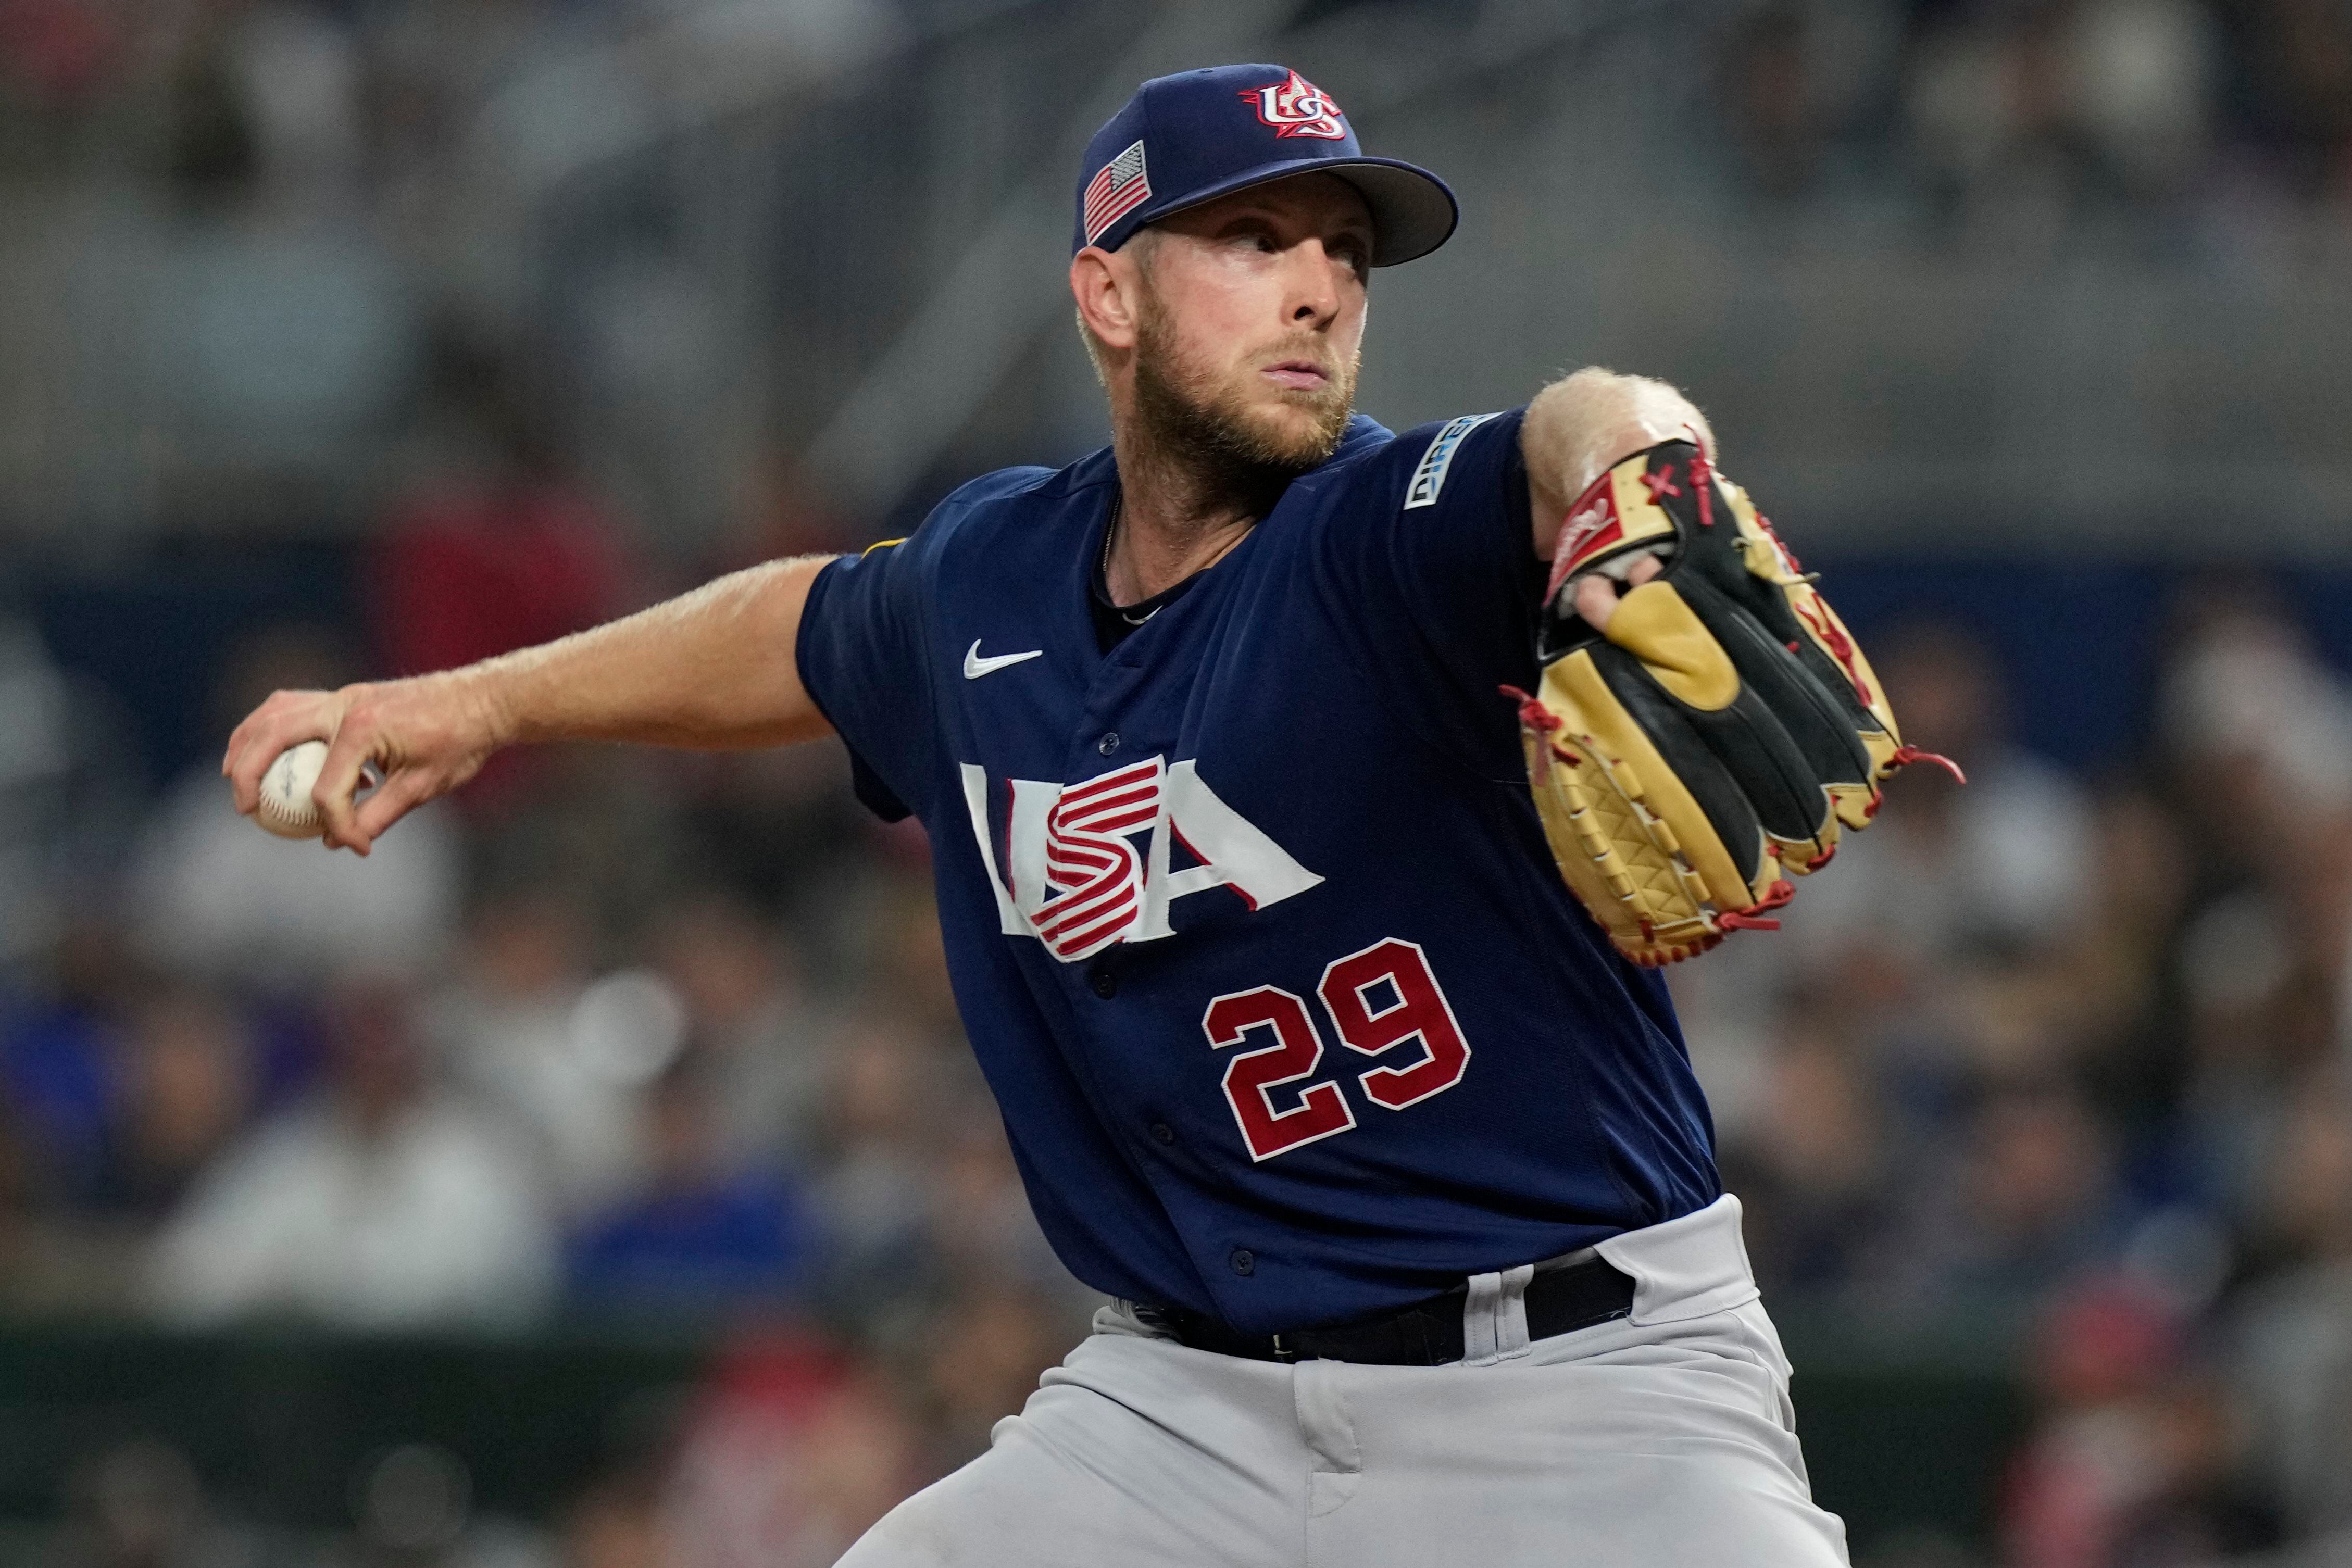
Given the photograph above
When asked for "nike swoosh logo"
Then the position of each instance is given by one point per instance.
(974, 666)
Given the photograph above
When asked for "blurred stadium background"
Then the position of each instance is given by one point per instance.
(596, 1176)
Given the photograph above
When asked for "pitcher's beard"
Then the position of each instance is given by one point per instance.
(1214, 432)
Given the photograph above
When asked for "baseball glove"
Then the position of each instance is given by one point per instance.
(1720, 735)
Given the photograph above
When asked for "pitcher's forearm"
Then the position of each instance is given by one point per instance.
(714, 669)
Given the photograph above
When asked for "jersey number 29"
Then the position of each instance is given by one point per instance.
(1377, 1000)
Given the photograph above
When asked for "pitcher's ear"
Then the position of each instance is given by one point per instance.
(1105, 290)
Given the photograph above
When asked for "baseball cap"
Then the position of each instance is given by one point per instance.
(1190, 137)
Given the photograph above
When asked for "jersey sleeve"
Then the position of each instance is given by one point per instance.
(1431, 563)
(862, 659)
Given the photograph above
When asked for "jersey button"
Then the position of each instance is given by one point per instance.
(1108, 743)
(1103, 983)
(1163, 1132)
(1244, 1261)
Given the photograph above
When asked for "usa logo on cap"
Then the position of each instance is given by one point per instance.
(1298, 108)
(1204, 145)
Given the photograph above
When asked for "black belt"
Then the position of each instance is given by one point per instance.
(1426, 1334)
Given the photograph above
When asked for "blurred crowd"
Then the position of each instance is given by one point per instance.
(430, 1102)
(318, 101)
(2069, 1061)
(2018, 118)
(633, 1042)
(243, 224)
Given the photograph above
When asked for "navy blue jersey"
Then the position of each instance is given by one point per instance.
(1250, 917)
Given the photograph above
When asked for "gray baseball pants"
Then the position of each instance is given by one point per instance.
(1661, 1440)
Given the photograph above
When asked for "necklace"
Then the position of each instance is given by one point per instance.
(1152, 606)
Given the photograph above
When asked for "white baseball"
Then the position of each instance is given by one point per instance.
(286, 808)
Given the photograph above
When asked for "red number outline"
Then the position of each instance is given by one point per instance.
(1233, 1016)
(1352, 1016)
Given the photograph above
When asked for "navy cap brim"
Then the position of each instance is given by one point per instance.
(1413, 211)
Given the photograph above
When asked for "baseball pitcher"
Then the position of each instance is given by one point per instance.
(1310, 806)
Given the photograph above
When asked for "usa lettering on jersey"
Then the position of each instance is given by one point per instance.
(1071, 873)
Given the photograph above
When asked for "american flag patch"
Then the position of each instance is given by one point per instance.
(1117, 190)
